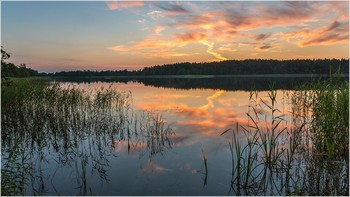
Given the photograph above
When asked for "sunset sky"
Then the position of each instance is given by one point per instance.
(55, 36)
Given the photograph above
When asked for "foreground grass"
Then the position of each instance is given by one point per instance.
(303, 152)
(42, 121)
(37, 114)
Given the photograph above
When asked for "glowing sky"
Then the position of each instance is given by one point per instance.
(54, 36)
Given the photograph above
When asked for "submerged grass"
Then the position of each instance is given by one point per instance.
(74, 128)
(38, 115)
(303, 152)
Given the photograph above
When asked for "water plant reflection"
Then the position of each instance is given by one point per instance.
(69, 128)
(294, 153)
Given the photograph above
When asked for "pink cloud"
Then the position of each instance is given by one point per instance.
(115, 5)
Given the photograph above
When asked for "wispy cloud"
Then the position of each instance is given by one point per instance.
(226, 27)
(261, 37)
(264, 47)
(211, 99)
(211, 51)
(115, 5)
(173, 8)
(156, 14)
(334, 33)
(190, 37)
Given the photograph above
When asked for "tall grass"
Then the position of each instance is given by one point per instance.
(301, 152)
(78, 127)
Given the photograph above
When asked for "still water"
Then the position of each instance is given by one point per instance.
(188, 123)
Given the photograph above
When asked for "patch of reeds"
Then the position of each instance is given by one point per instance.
(37, 115)
(75, 127)
(301, 152)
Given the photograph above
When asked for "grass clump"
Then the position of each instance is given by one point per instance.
(302, 152)
(38, 116)
(43, 122)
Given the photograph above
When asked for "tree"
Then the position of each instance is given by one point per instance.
(12, 70)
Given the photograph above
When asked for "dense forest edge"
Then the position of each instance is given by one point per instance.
(228, 67)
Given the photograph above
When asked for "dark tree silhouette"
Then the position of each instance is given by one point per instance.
(12, 70)
(229, 67)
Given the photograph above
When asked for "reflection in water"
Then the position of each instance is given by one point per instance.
(93, 140)
(147, 134)
(68, 131)
(229, 82)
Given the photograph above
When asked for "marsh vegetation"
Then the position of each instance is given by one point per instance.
(300, 150)
(78, 127)
(297, 145)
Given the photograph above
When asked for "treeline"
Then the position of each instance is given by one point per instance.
(12, 70)
(245, 83)
(228, 67)
(252, 66)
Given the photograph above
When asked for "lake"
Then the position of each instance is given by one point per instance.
(173, 138)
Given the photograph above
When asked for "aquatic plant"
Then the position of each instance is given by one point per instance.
(301, 152)
(78, 128)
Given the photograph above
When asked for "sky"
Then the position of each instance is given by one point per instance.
(66, 35)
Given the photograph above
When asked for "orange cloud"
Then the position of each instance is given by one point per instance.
(190, 37)
(192, 112)
(229, 26)
(211, 51)
(227, 102)
(211, 99)
(158, 106)
(336, 33)
(153, 167)
(115, 5)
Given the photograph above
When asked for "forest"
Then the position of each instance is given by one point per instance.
(228, 67)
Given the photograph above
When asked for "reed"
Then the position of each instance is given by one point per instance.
(38, 115)
(301, 152)
(78, 128)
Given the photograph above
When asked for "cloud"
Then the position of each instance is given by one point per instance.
(291, 10)
(336, 32)
(227, 102)
(152, 167)
(190, 37)
(333, 26)
(156, 14)
(227, 48)
(261, 37)
(265, 47)
(229, 26)
(116, 5)
(167, 97)
(174, 9)
(211, 99)
(192, 112)
(328, 39)
(211, 51)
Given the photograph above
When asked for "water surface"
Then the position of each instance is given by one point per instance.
(186, 120)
